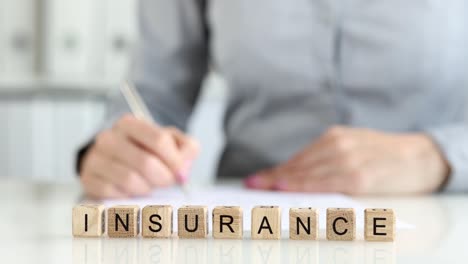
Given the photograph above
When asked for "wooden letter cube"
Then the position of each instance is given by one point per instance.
(192, 221)
(341, 224)
(379, 224)
(303, 223)
(156, 221)
(227, 222)
(88, 220)
(123, 221)
(266, 222)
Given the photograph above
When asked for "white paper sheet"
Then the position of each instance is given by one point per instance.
(247, 199)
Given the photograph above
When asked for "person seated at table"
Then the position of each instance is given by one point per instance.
(354, 97)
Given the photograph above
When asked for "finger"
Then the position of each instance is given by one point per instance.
(314, 170)
(119, 148)
(265, 179)
(189, 149)
(274, 178)
(160, 175)
(316, 185)
(343, 166)
(125, 179)
(96, 188)
(154, 140)
(336, 141)
(188, 146)
(331, 184)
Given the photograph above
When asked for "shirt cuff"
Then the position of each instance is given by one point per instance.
(80, 156)
(453, 142)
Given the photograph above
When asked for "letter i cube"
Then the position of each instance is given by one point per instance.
(88, 220)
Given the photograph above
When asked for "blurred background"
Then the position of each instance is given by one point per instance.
(59, 60)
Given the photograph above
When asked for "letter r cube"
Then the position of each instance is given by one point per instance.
(227, 222)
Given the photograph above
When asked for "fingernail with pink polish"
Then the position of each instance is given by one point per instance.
(253, 181)
(281, 185)
(184, 172)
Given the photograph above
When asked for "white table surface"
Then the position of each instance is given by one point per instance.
(35, 224)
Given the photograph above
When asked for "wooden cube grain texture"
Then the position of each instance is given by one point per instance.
(157, 221)
(192, 221)
(341, 224)
(379, 224)
(303, 223)
(227, 222)
(123, 221)
(88, 220)
(266, 222)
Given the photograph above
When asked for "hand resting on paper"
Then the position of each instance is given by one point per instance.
(134, 157)
(359, 161)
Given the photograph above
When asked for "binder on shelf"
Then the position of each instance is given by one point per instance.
(4, 167)
(18, 37)
(69, 130)
(43, 143)
(71, 30)
(19, 134)
(75, 123)
(2, 39)
(94, 111)
(120, 35)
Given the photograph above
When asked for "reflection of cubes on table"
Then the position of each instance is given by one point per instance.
(341, 224)
(88, 220)
(192, 221)
(156, 221)
(303, 223)
(123, 221)
(227, 222)
(379, 224)
(266, 222)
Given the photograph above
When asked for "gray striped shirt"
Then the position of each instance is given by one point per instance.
(294, 68)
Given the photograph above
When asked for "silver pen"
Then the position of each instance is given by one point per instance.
(140, 111)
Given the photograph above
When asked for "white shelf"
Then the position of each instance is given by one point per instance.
(30, 84)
